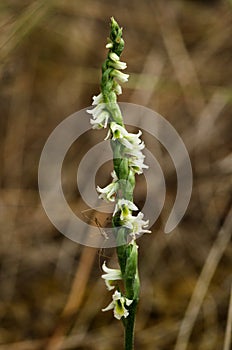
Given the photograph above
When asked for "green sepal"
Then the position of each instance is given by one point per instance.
(131, 273)
(116, 37)
(116, 147)
(123, 169)
(121, 247)
(131, 264)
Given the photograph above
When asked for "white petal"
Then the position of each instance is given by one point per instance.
(108, 135)
(100, 120)
(130, 204)
(96, 110)
(118, 65)
(109, 46)
(114, 57)
(124, 202)
(97, 99)
(120, 312)
(114, 176)
(109, 307)
(117, 295)
(122, 77)
(118, 89)
(128, 302)
(111, 274)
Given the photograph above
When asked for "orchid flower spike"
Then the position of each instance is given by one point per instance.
(128, 160)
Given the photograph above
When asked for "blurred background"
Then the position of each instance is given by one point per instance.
(179, 56)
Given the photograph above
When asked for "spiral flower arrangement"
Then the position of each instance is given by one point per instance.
(128, 161)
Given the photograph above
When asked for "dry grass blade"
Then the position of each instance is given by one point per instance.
(75, 297)
(203, 282)
(227, 342)
(33, 14)
(153, 67)
(179, 56)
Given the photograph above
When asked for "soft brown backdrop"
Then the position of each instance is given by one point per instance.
(179, 57)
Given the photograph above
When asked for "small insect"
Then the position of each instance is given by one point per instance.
(94, 219)
(103, 233)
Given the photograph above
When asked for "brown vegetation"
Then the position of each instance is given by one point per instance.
(179, 56)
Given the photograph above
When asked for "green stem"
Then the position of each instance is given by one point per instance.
(128, 260)
(127, 253)
(129, 326)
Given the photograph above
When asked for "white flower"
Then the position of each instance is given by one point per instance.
(109, 45)
(110, 276)
(136, 163)
(119, 65)
(100, 115)
(129, 140)
(136, 151)
(133, 146)
(115, 62)
(121, 77)
(96, 111)
(97, 99)
(136, 160)
(118, 305)
(114, 57)
(125, 207)
(101, 121)
(108, 193)
(117, 88)
(136, 224)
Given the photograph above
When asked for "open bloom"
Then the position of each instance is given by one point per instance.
(118, 305)
(136, 160)
(126, 138)
(108, 193)
(133, 146)
(115, 62)
(100, 115)
(110, 276)
(137, 163)
(121, 77)
(136, 224)
(97, 99)
(101, 121)
(125, 207)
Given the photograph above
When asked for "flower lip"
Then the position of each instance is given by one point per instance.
(125, 207)
(118, 305)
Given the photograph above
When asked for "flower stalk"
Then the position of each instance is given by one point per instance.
(128, 161)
